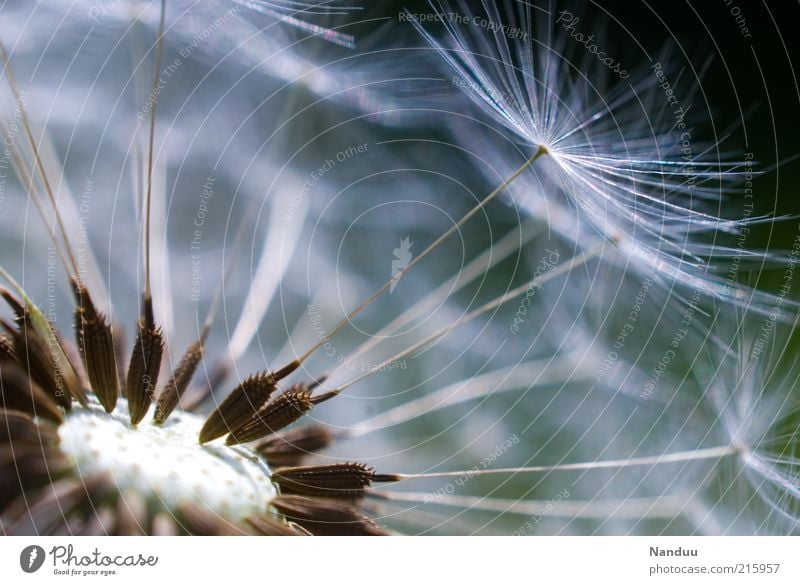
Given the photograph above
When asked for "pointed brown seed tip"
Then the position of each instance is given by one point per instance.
(143, 371)
(171, 394)
(318, 382)
(290, 448)
(275, 415)
(96, 345)
(16, 306)
(320, 398)
(83, 299)
(286, 370)
(239, 407)
(344, 480)
(7, 350)
(387, 477)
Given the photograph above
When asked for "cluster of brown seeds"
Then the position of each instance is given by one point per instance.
(42, 491)
(42, 487)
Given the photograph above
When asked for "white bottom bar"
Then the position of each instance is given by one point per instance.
(334, 561)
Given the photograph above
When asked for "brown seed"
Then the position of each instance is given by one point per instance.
(61, 507)
(20, 392)
(171, 394)
(144, 366)
(275, 415)
(239, 407)
(38, 363)
(50, 358)
(28, 454)
(96, 345)
(326, 517)
(345, 480)
(18, 427)
(290, 448)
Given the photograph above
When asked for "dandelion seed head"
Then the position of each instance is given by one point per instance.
(748, 381)
(616, 158)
